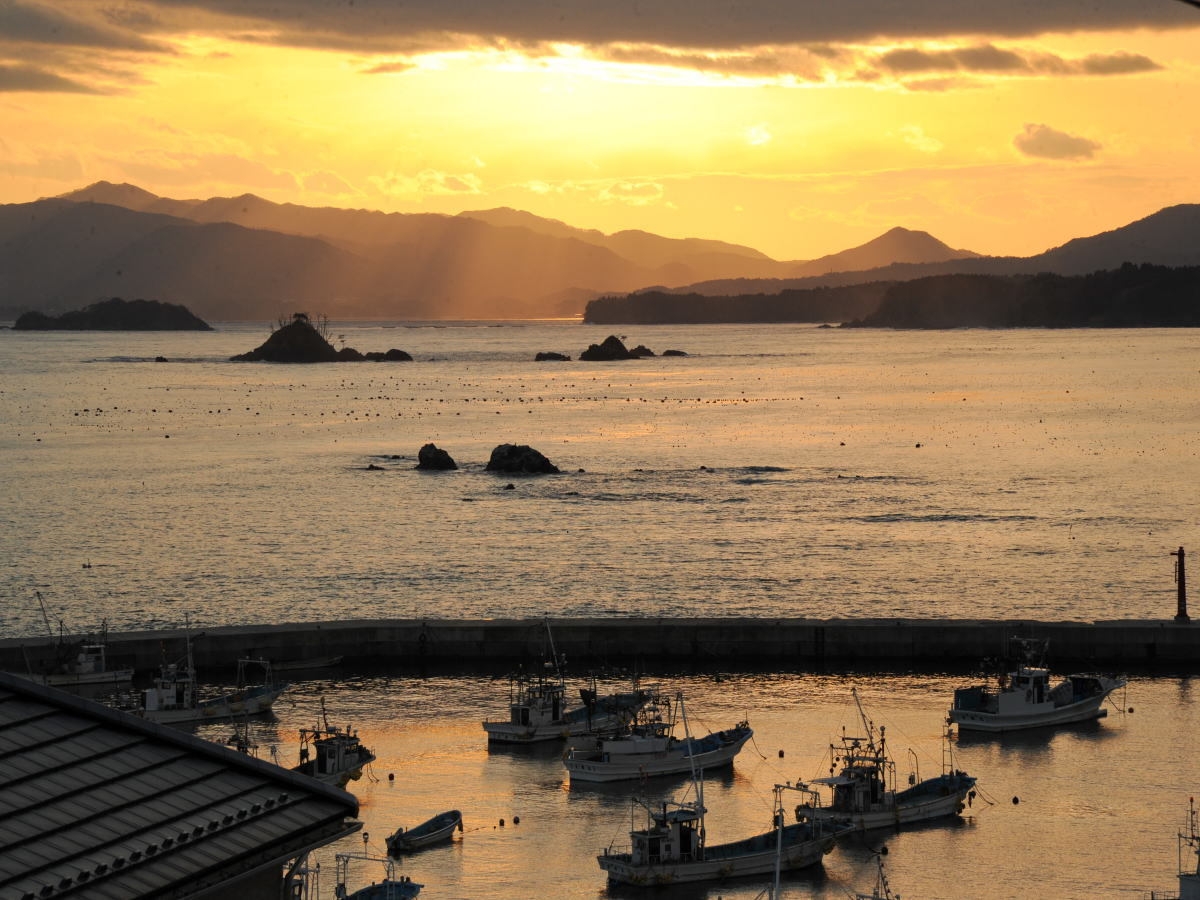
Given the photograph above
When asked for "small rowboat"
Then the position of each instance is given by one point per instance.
(440, 828)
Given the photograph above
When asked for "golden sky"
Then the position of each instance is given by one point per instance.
(799, 127)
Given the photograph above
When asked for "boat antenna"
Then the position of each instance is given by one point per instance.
(867, 723)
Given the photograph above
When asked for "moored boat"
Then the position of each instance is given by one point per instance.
(649, 747)
(331, 754)
(392, 887)
(432, 831)
(538, 710)
(864, 791)
(81, 663)
(88, 668)
(672, 848)
(174, 695)
(1024, 698)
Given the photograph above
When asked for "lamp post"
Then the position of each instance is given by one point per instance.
(1181, 613)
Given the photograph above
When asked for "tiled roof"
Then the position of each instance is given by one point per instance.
(95, 802)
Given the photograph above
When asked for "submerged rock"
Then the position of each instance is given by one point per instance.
(549, 355)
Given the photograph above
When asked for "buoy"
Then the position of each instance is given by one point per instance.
(1016, 800)
(516, 820)
(501, 823)
(391, 776)
(1131, 709)
(781, 754)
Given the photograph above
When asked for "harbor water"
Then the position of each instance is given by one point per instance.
(1081, 812)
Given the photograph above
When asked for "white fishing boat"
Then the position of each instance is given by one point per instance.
(392, 887)
(1024, 698)
(174, 695)
(436, 830)
(864, 791)
(1189, 862)
(80, 663)
(331, 754)
(649, 747)
(88, 668)
(672, 848)
(538, 710)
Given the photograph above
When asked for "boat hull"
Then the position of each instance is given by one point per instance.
(610, 713)
(1036, 716)
(924, 806)
(243, 703)
(599, 767)
(753, 856)
(115, 677)
(437, 830)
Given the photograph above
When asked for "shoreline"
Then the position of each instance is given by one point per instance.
(499, 645)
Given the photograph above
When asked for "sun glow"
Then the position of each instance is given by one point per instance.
(998, 144)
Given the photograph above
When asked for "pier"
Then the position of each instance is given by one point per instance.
(646, 644)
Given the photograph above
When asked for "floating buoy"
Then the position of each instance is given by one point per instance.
(1131, 709)
(1016, 800)
(501, 823)
(781, 754)
(516, 820)
(391, 776)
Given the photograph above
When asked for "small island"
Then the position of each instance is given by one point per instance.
(116, 314)
(299, 341)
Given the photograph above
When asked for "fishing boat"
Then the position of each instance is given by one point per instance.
(432, 831)
(87, 668)
(1024, 698)
(331, 754)
(864, 791)
(1189, 862)
(174, 695)
(673, 849)
(392, 887)
(80, 663)
(538, 710)
(649, 747)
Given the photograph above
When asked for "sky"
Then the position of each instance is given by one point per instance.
(798, 127)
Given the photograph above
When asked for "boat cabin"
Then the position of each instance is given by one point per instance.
(676, 834)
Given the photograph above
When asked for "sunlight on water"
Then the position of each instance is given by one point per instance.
(775, 471)
(1098, 804)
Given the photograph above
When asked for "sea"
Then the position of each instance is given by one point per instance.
(772, 471)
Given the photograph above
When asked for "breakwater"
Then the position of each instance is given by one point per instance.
(650, 644)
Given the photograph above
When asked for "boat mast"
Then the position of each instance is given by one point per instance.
(45, 617)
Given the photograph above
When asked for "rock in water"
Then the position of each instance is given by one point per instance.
(433, 457)
(519, 458)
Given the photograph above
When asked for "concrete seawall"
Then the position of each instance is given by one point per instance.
(652, 644)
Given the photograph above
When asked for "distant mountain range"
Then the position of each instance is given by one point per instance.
(245, 258)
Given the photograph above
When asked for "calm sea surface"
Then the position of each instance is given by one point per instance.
(775, 471)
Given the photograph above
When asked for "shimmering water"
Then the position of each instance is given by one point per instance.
(776, 470)
(1099, 804)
